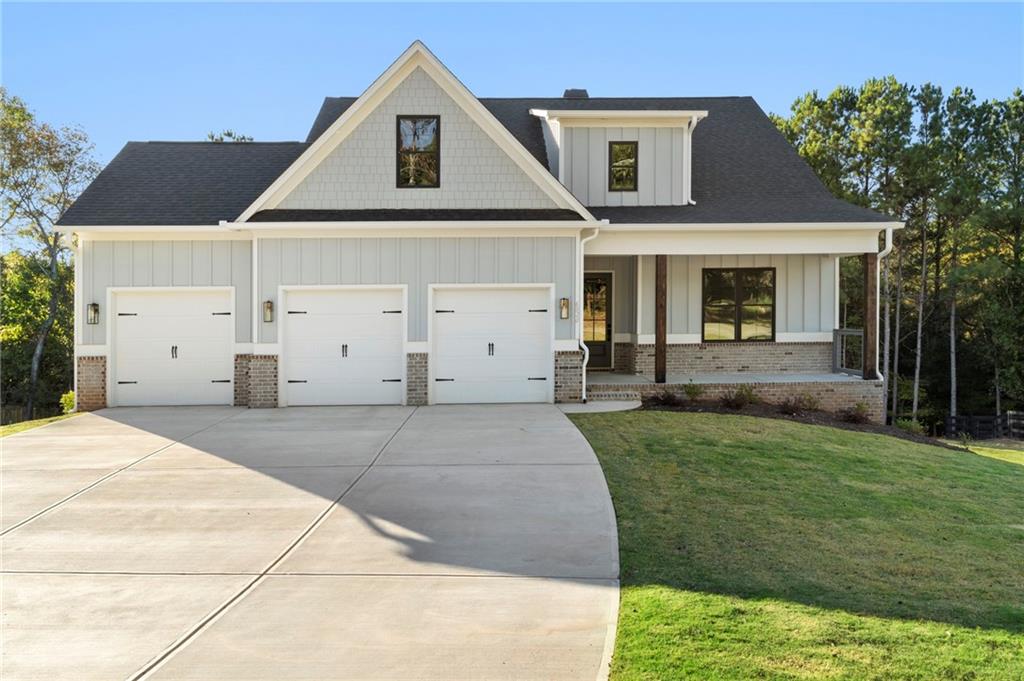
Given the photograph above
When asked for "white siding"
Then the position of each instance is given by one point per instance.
(660, 179)
(360, 173)
(417, 262)
(804, 290)
(165, 263)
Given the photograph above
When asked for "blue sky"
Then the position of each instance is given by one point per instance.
(154, 71)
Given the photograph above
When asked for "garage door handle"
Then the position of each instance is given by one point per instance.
(290, 381)
(444, 311)
(445, 380)
(344, 349)
(221, 380)
(537, 378)
(174, 352)
(391, 380)
(490, 349)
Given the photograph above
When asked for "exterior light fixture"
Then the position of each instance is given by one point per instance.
(268, 311)
(563, 308)
(92, 315)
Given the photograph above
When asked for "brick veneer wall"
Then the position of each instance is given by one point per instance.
(569, 376)
(835, 396)
(625, 358)
(91, 388)
(416, 378)
(708, 358)
(262, 381)
(242, 380)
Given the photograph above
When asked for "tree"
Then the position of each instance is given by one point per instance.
(227, 136)
(42, 170)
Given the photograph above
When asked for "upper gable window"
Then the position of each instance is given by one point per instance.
(622, 164)
(419, 151)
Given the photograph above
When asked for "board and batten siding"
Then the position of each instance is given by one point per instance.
(107, 264)
(660, 151)
(805, 290)
(416, 262)
(623, 269)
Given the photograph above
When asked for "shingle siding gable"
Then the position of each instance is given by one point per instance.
(360, 172)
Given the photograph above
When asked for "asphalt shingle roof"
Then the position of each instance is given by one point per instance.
(744, 170)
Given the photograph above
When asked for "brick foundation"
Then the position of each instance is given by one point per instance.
(705, 358)
(569, 376)
(91, 388)
(416, 378)
(834, 396)
(242, 380)
(625, 358)
(262, 381)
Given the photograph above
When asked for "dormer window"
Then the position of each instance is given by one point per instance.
(419, 152)
(622, 165)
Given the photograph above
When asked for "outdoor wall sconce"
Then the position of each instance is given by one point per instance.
(268, 311)
(92, 315)
(563, 308)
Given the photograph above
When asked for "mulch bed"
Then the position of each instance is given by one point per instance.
(815, 418)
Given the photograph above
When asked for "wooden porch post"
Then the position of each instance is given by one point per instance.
(870, 370)
(660, 316)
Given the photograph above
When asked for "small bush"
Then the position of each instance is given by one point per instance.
(965, 438)
(912, 426)
(67, 401)
(693, 391)
(739, 398)
(859, 413)
(800, 404)
(665, 398)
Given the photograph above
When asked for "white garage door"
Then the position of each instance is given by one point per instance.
(492, 345)
(173, 348)
(344, 347)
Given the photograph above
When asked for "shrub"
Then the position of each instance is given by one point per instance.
(859, 413)
(67, 401)
(693, 390)
(739, 398)
(910, 426)
(799, 404)
(665, 398)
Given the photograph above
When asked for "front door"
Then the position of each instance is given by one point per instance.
(597, 318)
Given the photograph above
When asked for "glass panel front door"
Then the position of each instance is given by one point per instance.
(597, 319)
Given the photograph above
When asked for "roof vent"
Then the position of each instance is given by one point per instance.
(575, 93)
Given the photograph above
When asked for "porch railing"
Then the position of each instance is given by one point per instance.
(848, 351)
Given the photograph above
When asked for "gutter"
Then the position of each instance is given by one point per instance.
(579, 326)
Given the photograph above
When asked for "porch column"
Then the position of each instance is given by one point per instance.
(660, 316)
(870, 368)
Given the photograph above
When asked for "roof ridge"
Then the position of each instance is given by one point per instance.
(208, 142)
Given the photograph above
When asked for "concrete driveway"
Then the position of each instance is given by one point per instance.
(469, 542)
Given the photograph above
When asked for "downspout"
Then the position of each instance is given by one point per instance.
(579, 325)
(882, 254)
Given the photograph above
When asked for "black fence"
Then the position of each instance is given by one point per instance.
(15, 413)
(987, 427)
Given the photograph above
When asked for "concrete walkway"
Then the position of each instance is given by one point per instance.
(469, 542)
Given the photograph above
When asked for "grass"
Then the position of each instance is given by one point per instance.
(765, 549)
(12, 428)
(1004, 451)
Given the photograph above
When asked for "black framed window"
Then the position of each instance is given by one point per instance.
(419, 152)
(738, 304)
(622, 166)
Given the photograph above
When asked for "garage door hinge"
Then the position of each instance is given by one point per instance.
(221, 380)
(127, 314)
(445, 380)
(537, 378)
(539, 310)
(291, 381)
(127, 382)
(390, 380)
(444, 311)
(391, 312)
(219, 314)
(296, 312)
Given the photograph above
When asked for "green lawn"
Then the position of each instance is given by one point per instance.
(765, 549)
(13, 428)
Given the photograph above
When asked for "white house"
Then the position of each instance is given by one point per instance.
(426, 246)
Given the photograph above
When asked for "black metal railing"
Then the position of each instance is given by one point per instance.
(987, 426)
